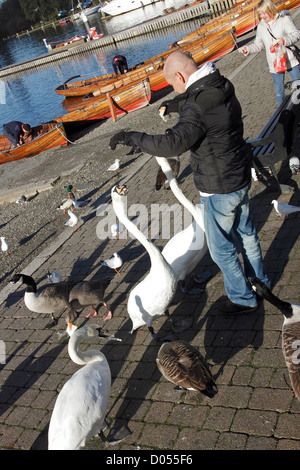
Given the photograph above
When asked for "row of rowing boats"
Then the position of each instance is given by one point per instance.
(112, 95)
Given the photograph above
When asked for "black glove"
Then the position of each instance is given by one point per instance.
(170, 105)
(121, 138)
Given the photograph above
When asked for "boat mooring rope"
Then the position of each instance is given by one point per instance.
(70, 142)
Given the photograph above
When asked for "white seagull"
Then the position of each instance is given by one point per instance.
(115, 262)
(5, 246)
(294, 164)
(54, 277)
(115, 230)
(79, 411)
(73, 220)
(115, 166)
(284, 209)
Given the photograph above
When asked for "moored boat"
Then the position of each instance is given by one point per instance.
(201, 49)
(60, 46)
(43, 137)
(119, 7)
(243, 18)
(122, 101)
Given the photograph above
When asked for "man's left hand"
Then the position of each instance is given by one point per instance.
(121, 138)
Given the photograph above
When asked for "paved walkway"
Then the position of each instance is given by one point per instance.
(254, 408)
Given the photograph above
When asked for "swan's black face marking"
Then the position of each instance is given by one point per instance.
(122, 190)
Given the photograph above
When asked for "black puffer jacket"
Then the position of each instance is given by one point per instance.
(211, 127)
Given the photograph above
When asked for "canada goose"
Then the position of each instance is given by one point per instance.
(89, 293)
(151, 297)
(50, 298)
(284, 209)
(186, 248)
(290, 331)
(182, 364)
(79, 411)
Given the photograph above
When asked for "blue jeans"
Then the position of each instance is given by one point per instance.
(228, 226)
(278, 80)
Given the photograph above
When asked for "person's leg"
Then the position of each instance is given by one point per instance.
(248, 242)
(278, 80)
(294, 73)
(219, 215)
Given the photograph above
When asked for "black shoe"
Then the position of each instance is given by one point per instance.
(229, 307)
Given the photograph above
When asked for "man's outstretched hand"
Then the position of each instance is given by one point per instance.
(121, 138)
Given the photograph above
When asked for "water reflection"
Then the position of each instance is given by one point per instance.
(30, 96)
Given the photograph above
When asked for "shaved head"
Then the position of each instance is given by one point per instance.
(177, 69)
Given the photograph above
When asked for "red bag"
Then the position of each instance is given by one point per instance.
(280, 60)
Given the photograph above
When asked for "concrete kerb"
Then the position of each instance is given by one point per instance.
(66, 234)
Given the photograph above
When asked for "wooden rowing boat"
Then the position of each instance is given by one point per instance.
(43, 137)
(243, 18)
(128, 98)
(201, 49)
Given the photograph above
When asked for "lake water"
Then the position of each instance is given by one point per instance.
(30, 96)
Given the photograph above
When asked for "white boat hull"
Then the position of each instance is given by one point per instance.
(118, 7)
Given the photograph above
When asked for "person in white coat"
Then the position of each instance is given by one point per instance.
(275, 27)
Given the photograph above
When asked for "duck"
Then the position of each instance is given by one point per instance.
(181, 363)
(185, 249)
(5, 246)
(70, 202)
(151, 297)
(115, 262)
(284, 209)
(72, 221)
(290, 331)
(91, 292)
(161, 177)
(79, 410)
(49, 298)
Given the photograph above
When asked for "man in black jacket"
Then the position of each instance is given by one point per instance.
(210, 126)
(120, 62)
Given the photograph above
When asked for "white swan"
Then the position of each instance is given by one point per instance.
(186, 248)
(151, 297)
(79, 411)
(290, 331)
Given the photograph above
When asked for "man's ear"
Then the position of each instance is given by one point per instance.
(181, 77)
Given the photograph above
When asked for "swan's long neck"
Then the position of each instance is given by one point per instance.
(119, 205)
(166, 168)
(82, 357)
